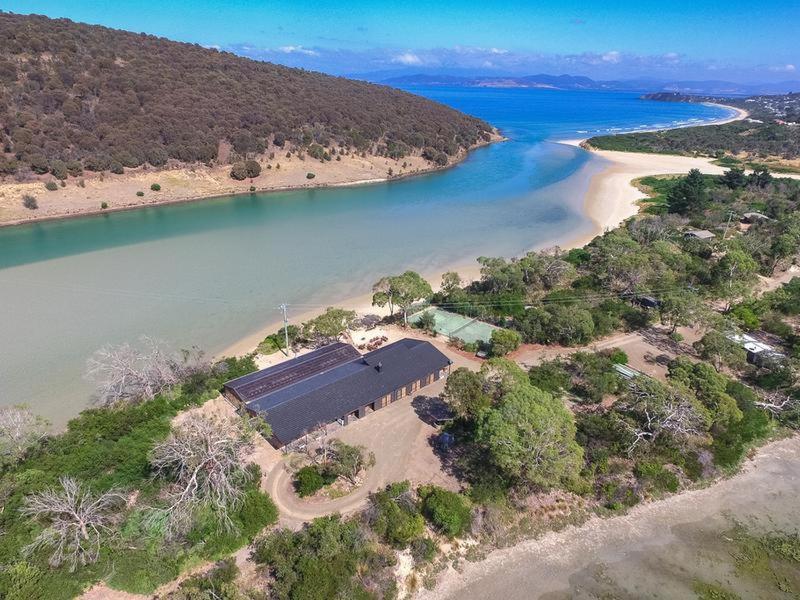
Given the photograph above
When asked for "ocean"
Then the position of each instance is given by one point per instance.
(210, 272)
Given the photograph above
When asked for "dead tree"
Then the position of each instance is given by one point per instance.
(777, 403)
(203, 461)
(657, 409)
(20, 430)
(75, 522)
(126, 373)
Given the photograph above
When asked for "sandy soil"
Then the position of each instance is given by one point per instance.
(182, 184)
(543, 567)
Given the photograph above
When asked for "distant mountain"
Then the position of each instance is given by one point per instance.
(75, 96)
(577, 82)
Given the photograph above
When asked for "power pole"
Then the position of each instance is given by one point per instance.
(727, 225)
(285, 327)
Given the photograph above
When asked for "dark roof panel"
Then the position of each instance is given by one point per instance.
(255, 385)
(331, 393)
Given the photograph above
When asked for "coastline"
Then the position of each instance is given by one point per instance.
(549, 564)
(191, 184)
(609, 201)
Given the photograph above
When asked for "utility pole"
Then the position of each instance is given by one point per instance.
(285, 327)
(727, 225)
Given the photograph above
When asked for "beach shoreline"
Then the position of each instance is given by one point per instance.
(609, 201)
(181, 185)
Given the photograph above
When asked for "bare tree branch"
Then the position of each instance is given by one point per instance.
(75, 522)
(203, 460)
(20, 430)
(126, 373)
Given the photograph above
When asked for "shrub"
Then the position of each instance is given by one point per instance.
(310, 175)
(252, 168)
(252, 188)
(423, 550)
(395, 515)
(239, 171)
(448, 511)
(308, 481)
(104, 205)
(58, 169)
(30, 202)
(155, 187)
(550, 377)
(140, 193)
(504, 341)
(51, 186)
(116, 168)
(656, 475)
(74, 168)
(618, 357)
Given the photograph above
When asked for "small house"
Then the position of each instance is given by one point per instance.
(753, 217)
(699, 234)
(759, 353)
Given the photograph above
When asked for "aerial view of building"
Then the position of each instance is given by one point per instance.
(335, 383)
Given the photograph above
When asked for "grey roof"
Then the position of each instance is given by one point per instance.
(324, 395)
(701, 234)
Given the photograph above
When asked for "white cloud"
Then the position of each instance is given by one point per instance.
(612, 57)
(783, 68)
(407, 58)
(297, 50)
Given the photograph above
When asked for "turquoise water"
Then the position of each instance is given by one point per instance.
(209, 273)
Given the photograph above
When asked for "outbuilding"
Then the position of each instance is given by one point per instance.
(335, 383)
(699, 234)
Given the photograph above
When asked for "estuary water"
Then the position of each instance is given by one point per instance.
(210, 272)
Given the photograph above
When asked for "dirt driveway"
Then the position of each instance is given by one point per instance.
(399, 435)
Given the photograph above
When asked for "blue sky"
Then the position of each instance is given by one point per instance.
(703, 39)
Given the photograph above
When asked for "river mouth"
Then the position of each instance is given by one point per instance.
(211, 272)
(675, 548)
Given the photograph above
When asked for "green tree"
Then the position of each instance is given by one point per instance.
(530, 438)
(681, 308)
(720, 350)
(451, 281)
(464, 393)
(252, 168)
(331, 324)
(401, 291)
(734, 275)
(504, 341)
(449, 512)
(689, 194)
(734, 178)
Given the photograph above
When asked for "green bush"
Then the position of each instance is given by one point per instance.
(655, 474)
(551, 376)
(397, 518)
(618, 357)
(448, 512)
(310, 479)
(155, 187)
(51, 186)
(104, 205)
(504, 341)
(310, 175)
(30, 202)
(140, 193)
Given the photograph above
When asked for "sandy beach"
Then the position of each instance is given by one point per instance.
(611, 198)
(132, 189)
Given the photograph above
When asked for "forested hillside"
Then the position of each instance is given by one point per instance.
(771, 131)
(76, 97)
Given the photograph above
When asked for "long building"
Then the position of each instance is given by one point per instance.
(335, 383)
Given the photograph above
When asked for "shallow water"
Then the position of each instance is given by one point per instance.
(210, 272)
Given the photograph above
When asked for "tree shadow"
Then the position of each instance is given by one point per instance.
(432, 410)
